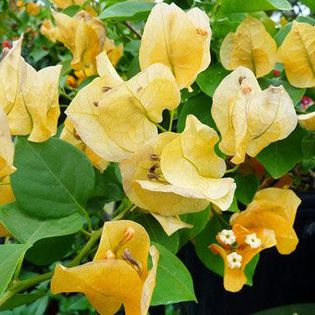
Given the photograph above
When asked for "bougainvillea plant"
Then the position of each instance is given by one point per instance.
(129, 128)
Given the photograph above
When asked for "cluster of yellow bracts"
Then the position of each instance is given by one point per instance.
(166, 174)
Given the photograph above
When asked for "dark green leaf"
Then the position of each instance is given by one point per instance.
(28, 229)
(71, 10)
(209, 79)
(246, 187)
(199, 106)
(198, 220)
(298, 309)
(253, 6)
(174, 283)
(10, 255)
(281, 156)
(310, 4)
(48, 250)
(53, 180)
(128, 10)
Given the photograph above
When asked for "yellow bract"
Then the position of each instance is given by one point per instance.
(114, 118)
(297, 53)
(118, 274)
(307, 121)
(6, 196)
(62, 4)
(6, 147)
(176, 174)
(84, 35)
(250, 119)
(70, 135)
(29, 98)
(250, 46)
(177, 39)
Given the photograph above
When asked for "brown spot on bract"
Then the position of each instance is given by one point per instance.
(201, 32)
(95, 104)
(105, 89)
(241, 78)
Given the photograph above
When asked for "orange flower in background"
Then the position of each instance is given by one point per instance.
(118, 273)
(266, 222)
(32, 8)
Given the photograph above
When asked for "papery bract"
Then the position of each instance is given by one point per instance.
(307, 121)
(297, 53)
(29, 97)
(6, 147)
(118, 273)
(250, 119)
(70, 135)
(114, 117)
(85, 36)
(177, 39)
(273, 209)
(250, 46)
(176, 174)
(62, 4)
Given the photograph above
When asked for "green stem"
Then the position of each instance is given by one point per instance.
(120, 215)
(161, 128)
(65, 95)
(19, 286)
(133, 30)
(171, 120)
(232, 170)
(215, 9)
(87, 217)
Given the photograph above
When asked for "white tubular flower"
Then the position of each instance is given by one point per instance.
(252, 240)
(227, 237)
(234, 260)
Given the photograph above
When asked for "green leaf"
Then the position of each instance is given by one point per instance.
(128, 10)
(295, 93)
(157, 233)
(53, 180)
(199, 106)
(198, 220)
(10, 255)
(21, 299)
(281, 156)
(246, 187)
(108, 185)
(308, 149)
(174, 283)
(208, 258)
(253, 6)
(209, 79)
(28, 229)
(48, 250)
(71, 10)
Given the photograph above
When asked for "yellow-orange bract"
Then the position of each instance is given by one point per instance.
(84, 35)
(250, 119)
(118, 273)
(297, 53)
(62, 4)
(6, 195)
(250, 46)
(176, 174)
(177, 39)
(114, 118)
(29, 98)
(307, 121)
(266, 222)
(273, 209)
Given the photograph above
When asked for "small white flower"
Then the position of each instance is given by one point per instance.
(227, 237)
(252, 240)
(158, 1)
(234, 260)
